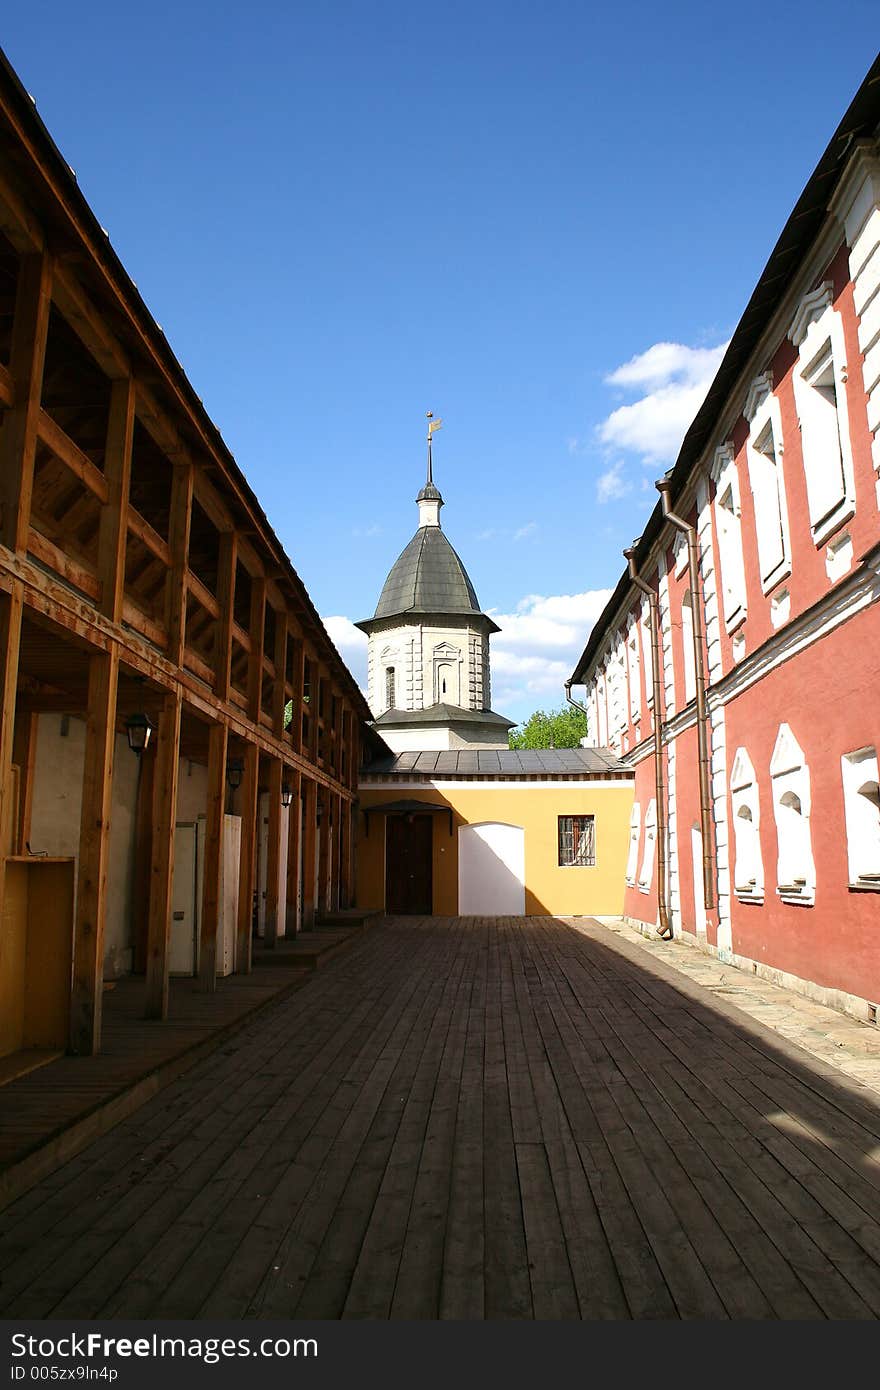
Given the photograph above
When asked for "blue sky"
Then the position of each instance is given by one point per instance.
(540, 221)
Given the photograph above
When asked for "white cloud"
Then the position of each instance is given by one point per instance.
(351, 644)
(612, 484)
(528, 530)
(536, 650)
(373, 530)
(674, 379)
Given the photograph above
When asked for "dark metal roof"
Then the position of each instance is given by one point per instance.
(444, 714)
(427, 577)
(798, 235)
(540, 764)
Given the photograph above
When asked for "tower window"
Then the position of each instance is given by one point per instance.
(389, 687)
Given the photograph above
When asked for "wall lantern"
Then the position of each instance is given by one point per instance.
(139, 730)
(234, 772)
(286, 793)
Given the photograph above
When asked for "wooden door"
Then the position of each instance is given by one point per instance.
(408, 867)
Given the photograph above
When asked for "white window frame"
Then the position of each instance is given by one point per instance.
(635, 680)
(728, 526)
(748, 866)
(647, 870)
(688, 655)
(817, 333)
(790, 784)
(767, 480)
(862, 812)
(635, 835)
(647, 658)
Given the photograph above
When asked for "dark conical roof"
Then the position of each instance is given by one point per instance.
(427, 577)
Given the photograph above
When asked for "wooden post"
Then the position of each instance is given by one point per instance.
(323, 901)
(273, 853)
(257, 635)
(226, 599)
(247, 862)
(143, 851)
(18, 438)
(162, 857)
(293, 843)
(178, 544)
(297, 683)
(24, 750)
(113, 530)
(333, 894)
(279, 693)
(94, 846)
(212, 887)
(309, 833)
(345, 828)
(10, 639)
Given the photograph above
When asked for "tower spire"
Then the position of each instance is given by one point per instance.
(429, 498)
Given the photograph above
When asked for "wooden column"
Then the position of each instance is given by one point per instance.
(293, 843)
(248, 860)
(10, 639)
(273, 852)
(226, 599)
(297, 683)
(212, 887)
(310, 814)
(94, 845)
(24, 749)
(143, 851)
(257, 636)
(333, 896)
(178, 544)
(113, 530)
(18, 438)
(346, 828)
(323, 902)
(162, 857)
(279, 693)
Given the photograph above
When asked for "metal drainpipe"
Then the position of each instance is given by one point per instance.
(574, 704)
(664, 928)
(702, 725)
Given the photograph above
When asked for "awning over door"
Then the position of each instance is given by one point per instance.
(405, 808)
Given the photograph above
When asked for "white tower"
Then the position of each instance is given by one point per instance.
(428, 652)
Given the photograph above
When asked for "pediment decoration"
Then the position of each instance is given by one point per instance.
(723, 458)
(743, 774)
(788, 756)
(760, 389)
(811, 307)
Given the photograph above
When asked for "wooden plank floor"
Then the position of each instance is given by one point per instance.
(473, 1118)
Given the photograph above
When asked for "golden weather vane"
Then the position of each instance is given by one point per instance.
(432, 426)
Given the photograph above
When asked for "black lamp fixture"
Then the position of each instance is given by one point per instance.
(286, 793)
(234, 772)
(139, 729)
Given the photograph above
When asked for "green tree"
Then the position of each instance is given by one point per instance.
(560, 728)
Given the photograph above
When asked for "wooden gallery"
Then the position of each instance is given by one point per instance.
(179, 739)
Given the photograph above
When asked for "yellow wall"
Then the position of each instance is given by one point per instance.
(563, 892)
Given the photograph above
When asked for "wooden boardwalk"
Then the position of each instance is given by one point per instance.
(460, 1118)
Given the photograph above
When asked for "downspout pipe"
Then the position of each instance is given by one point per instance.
(574, 704)
(706, 830)
(664, 927)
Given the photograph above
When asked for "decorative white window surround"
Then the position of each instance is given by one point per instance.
(729, 530)
(635, 832)
(687, 647)
(839, 557)
(679, 556)
(820, 396)
(635, 681)
(790, 785)
(764, 456)
(647, 871)
(645, 627)
(748, 870)
(447, 661)
(861, 800)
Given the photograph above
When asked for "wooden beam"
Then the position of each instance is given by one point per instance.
(24, 752)
(75, 572)
(309, 837)
(293, 843)
(113, 530)
(273, 853)
(248, 862)
(59, 443)
(18, 438)
(226, 595)
(141, 528)
(88, 324)
(94, 855)
(178, 544)
(202, 594)
(11, 605)
(257, 636)
(7, 388)
(162, 857)
(212, 890)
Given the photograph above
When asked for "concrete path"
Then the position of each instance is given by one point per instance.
(466, 1118)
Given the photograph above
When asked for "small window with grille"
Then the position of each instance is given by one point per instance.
(577, 841)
